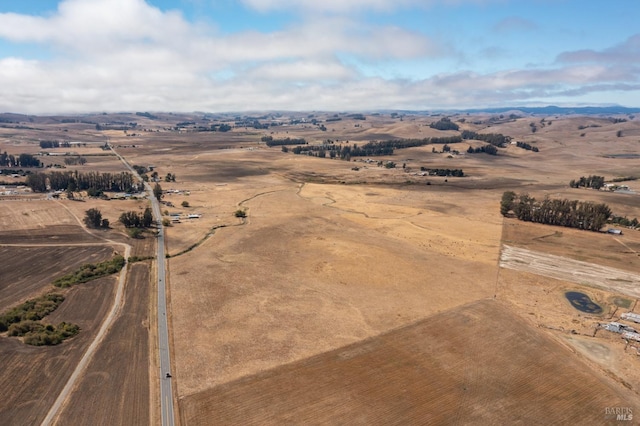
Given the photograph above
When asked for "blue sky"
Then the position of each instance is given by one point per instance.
(337, 55)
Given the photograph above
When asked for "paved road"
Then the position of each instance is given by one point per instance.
(166, 391)
(166, 395)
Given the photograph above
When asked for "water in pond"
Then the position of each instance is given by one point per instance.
(582, 302)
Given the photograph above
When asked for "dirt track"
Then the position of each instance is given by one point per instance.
(563, 268)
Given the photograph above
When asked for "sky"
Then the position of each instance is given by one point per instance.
(81, 56)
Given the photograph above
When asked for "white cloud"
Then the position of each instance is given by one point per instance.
(115, 55)
(326, 5)
(627, 52)
(343, 6)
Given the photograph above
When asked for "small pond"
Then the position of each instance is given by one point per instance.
(582, 302)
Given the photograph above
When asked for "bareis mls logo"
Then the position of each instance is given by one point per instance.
(618, 413)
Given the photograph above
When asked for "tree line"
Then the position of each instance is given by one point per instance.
(496, 139)
(76, 181)
(625, 221)
(55, 144)
(369, 149)
(270, 141)
(559, 212)
(443, 172)
(594, 182)
(22, 160)
(527, 146)
(487, 149)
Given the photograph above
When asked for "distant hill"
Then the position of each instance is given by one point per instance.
(556, 110)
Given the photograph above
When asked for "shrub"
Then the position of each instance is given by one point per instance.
(48, 335)
(31, 310)
(240, 213)
(90, 272)
(134, 232)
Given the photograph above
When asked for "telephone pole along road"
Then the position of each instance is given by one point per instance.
(166, 393)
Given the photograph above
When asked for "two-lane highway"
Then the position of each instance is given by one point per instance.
(166, 391)
(166, 395)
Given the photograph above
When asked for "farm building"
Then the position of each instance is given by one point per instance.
(630, 316)
(616, 327)
(631, 336)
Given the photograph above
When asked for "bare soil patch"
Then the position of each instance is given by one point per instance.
(444, 369)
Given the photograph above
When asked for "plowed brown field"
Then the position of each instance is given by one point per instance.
(28, 271)
(32, 377)
(114, 389)
(479, 364)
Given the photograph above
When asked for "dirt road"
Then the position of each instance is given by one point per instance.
(566, 269)
(106, 326)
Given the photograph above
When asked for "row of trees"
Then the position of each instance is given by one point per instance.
(443, 172)
(595, 182)
(270, 141)
(73, 161)
(487, 149)
(496, 139)
(55, 144)
(527, 146)
(411, 143)
(91, 271)
(370, 149)
(76, 181)
(22, 160)
(560, 212)
(625, 221)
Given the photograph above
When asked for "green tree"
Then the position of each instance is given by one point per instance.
(506, 204)
(93, 218)
(147, 217)
(130, 219)
(185, 203)
(157, 191)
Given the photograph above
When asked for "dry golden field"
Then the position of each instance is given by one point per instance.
(398, 269)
